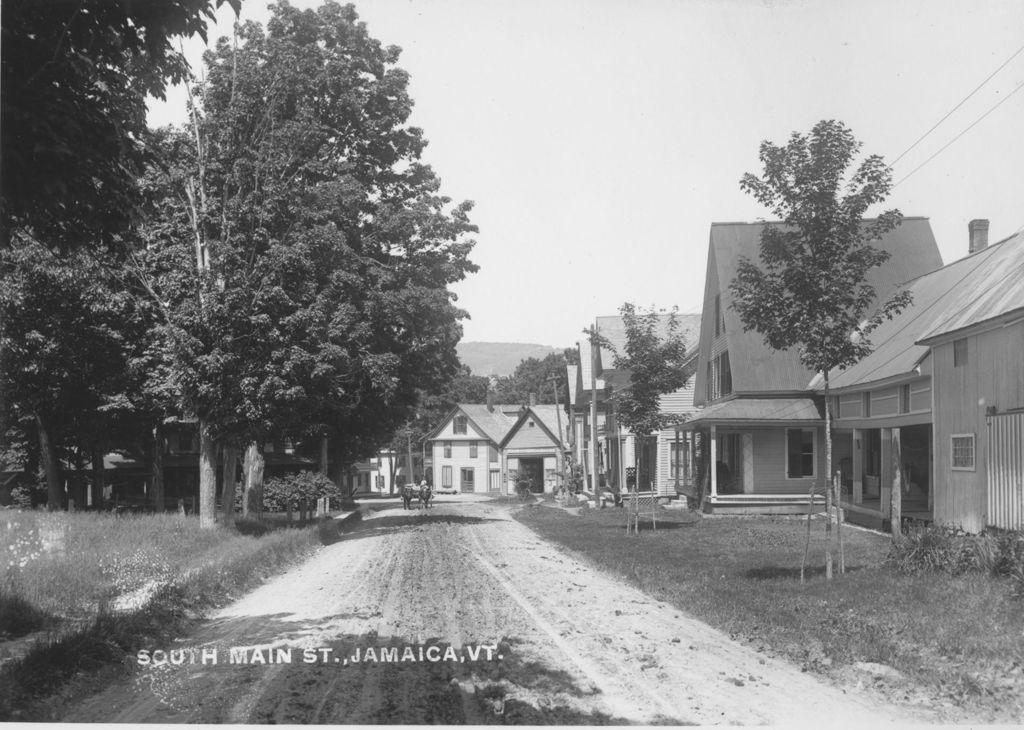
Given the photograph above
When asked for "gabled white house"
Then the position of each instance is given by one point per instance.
(466, 447)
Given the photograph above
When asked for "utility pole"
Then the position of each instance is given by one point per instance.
(408, 456)
(593, 408)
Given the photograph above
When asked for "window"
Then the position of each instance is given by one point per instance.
(447, 449)
(799, 453)
(960, 352)
(446, 476)
(187, 442)
(963, 451)
(837, 408)
(492, 454)
(467, 478)
(459, 424)
(905, 398)
(719, 377)
(678, 460)
(472, 450)
(867, 404)
(719, 316)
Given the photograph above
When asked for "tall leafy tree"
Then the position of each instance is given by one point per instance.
(537, 376)
(810, 288)
(656, 359)
(63, 372)
(301, 252)
(75, 76)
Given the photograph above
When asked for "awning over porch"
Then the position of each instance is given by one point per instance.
(759, 411)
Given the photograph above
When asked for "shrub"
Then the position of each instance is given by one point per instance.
(18, 617)
(280, 492)
(933, 548)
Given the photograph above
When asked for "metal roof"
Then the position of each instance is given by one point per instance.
(759, 410)
(756, 368)
(979, 287)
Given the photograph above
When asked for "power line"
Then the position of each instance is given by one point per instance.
(960, 104)
(973, 124)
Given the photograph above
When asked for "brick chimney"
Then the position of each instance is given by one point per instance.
(533, 399)
(490, 401)
(978, 229)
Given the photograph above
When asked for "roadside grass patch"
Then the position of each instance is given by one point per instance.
(83, 567)
(959, 639)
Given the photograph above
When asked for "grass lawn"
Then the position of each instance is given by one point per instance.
(958, 641)
(99, 584)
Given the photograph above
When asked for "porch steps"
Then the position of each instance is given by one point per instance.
(760, 504)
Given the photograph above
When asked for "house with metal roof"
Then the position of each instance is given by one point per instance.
(465, 447)
(664, 457)
(936, 411)
(760, 424)
(486, 447)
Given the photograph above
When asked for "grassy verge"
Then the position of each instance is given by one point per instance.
(106, 585)
(956, 640)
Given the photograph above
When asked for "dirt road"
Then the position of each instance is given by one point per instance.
(460, 614)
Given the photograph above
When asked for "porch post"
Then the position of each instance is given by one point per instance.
(885, 478)
(858, 466)
(714, 461)
(748, 462)
(896, 512)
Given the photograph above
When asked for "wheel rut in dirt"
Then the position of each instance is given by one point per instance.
(459, 614)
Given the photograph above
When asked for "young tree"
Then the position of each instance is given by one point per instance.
(656, 363)
(811, 289)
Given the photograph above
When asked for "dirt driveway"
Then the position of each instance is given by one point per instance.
(460, 614)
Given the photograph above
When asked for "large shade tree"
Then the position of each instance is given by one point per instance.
(810, 288)
(75, 77)
(299, 251)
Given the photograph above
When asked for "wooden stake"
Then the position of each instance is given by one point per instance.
(807, 543)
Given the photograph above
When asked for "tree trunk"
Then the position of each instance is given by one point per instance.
(207, 477)
(51, 467)
(896, 494)
(830, 498)
(99, 480)
(228, 475)
(252, 497)
(323, 455)
(158, 468)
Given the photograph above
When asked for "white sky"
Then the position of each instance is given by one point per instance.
(599, 139)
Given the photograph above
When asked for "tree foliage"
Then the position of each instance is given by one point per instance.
(536, 376)
(75, 76)
(282, 493)
(810, 289)
(656, 363)
(299, 251)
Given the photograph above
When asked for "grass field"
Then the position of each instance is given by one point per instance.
(957, 641)
(96, 584)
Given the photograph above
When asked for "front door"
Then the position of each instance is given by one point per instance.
(467, 481)
(494, 482)
(533, 469)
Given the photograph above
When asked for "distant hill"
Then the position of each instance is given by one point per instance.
(499, 358)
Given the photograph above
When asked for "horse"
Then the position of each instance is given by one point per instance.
(408, 494)
(426, 494)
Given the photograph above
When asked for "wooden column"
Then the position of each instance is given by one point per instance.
(858, 466)
(896, 510)
(714, 461)
(886, 476)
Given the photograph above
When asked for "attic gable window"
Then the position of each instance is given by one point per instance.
(719, 381)
(459, 425)
(719, 316)
(960, 352)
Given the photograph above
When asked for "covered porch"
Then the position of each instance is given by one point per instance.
(875, 461)
(759, 455)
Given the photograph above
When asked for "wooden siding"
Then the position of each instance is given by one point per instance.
(528, 436)
(677, 402)
(993, 376)
(921, 396)
(1005, 460)
(447, 433)
(885, 402)
(769, 461)
(851, 405)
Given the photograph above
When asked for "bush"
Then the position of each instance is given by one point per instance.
(18, 617)
(933, 548)
(280, 492)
